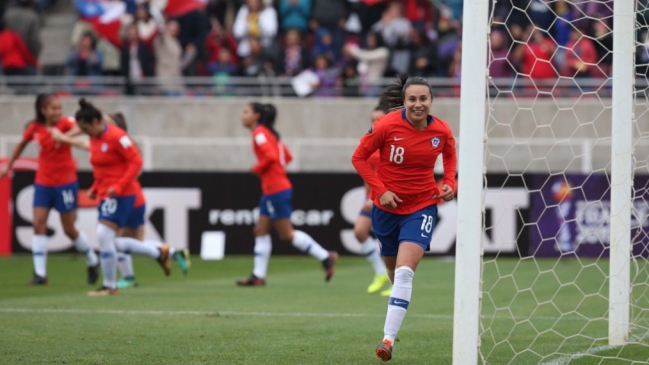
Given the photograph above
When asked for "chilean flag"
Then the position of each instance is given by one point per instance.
(176, 8)
(105, 17)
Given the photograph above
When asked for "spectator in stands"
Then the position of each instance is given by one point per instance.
(23, 19)
(332, 16)
(350, 80)
(169, 57)
(254, 21)
(136, 59)
(225, 64)
(295, 58)
(15, 57)
(449, 40)
(581, 57)
(85, 60)
(373, 61)
(540, 13)
(295, 14)
(535, 56)
(217, 9)
(324, 46)
(420, 13)
(499, 67)
(393, 26)
(604, 44)
(456, 7)
(218, 39)
(257, 62)
(455, 70)
(327, 77)
(423, 56)
(147, 27)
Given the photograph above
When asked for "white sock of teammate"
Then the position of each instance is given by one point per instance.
(107, 255)
(263, 248)
(131, 245)
(370, 249)
(39, 251)
(399, 301)
(81, 244)
(305, 243)
(125, 265)
(158, 244)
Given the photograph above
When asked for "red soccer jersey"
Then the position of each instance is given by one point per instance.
(115, 162)
(273, 156)
(140, 200)
(407, 160)
(55, 163)
(375, 160)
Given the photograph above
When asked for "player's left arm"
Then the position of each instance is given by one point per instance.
(449, 156)
(127, 150)
(268, 153)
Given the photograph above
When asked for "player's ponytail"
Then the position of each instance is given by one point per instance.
(87, 112)
(268, 118)
(393, 95)
(41, 101)
(120, 121)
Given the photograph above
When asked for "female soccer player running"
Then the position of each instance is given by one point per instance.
(116, 164)
(275, 204)
(404, 191)
(363, 226)
(134, 225)
(55, 185)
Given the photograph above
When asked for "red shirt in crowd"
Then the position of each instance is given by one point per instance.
(115, 162)
(407, 160)
(14, 52)
(214, 43)
(273, 156)
(55, 163)
(536, 59)
(177, 8)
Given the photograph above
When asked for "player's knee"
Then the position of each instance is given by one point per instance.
(403, 276)
(259, 231)
(106, 237)
(286, 236)
(71, 232)
(40, 226)
(361, 234)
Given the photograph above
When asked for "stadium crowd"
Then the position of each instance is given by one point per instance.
(346, 43)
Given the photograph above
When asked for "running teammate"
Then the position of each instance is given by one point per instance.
(116, 164)
(404, 191)
(363, 226)
(134, 225)
(275, 204)
(55, 185)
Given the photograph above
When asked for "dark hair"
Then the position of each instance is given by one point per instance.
(120, 121)
(393, 95)
(91, 35)
(382, 107)
(267, 115)
(87, 112)
(40, 102)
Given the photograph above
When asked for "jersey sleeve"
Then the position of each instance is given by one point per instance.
(371, 141)
(127, 150)
(28, 134)
(66, 124)
(288, 157)
(268, 154)
(449, 156)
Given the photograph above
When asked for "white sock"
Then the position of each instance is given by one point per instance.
(305, 243)
(370, 249)
(131, 245)
(158, 244)
(399, 301)
(125, 265)
(263, 248)
(81, 244)
(107, 255)
(39, 251)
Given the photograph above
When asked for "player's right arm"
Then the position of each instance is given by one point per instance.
(268, 153)
(28, 135)
(61, 137)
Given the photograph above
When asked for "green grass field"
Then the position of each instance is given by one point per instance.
(297, 318)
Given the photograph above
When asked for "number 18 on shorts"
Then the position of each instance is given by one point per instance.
(393, 229)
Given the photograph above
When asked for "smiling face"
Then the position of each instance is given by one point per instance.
(417, 102)
(52, 111)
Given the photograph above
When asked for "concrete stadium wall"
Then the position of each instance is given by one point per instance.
(194, 134)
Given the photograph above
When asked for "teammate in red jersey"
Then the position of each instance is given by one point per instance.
(116, 164)
(404, 190)
(275, 204)
(55, 185)
(363, 226)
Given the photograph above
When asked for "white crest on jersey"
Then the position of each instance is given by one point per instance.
(260, 139)
(125, 142)
(104, 147)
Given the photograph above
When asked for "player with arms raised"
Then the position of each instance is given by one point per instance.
(404, 191)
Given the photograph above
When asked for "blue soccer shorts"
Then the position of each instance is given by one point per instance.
(392, 229)
(276, 206)
(63, 198)
(116, 209)
(136, 217)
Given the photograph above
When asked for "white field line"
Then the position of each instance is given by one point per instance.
(564, 360)
(242, 314)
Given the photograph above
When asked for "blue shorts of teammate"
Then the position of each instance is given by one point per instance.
(367, 214)
(117, 209)
(276, 206)
(393, 229)
(63, 198)
(136, 217)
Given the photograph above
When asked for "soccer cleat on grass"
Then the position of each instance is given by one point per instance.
(329, 264)
(181, 257)
(165, 260)
(103, 292)
(252, 280)
(384, 351)
(386, 292)
(378, 283)
(93, 274)
(39, 280)
(126, 283)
